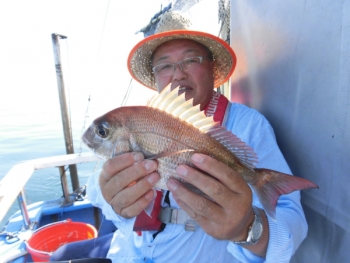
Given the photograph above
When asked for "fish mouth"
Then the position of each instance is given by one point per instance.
(88, 138)
(86, 142)
(91, 147)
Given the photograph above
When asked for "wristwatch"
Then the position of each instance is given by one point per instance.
(255, 230)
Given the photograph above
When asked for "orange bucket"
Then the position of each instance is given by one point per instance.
(47, 239)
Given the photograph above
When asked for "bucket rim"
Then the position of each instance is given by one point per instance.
(29, 248)
(68, 220)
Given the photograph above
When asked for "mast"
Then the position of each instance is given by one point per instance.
(67, 129)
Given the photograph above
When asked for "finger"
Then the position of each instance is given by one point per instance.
(119, 163)
(130, 175)
(198, 207)
(225, 193)
(135, 194)
(136, 208)
(214, 228)
(133, 200)
(221, 172)
(125, 178)
(208, 185)
(198, 218)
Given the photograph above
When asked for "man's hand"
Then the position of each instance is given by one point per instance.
(126, 182)
(230, 214)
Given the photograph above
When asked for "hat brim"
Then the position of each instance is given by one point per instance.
(139, 60)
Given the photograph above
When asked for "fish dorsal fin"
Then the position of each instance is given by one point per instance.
(161, 98)
(169, 101)
(170, 96)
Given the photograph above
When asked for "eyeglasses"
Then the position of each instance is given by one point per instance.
(188, 64)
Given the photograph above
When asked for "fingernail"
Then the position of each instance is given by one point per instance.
(181, 170)
(138, 156)
(152, 178)
(172, 184)
(197, 158)
(150, 165)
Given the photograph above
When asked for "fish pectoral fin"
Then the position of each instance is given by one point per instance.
(165, 154)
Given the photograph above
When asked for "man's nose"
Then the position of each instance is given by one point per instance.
(179, 73)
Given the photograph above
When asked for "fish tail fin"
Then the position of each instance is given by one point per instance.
(270, 185)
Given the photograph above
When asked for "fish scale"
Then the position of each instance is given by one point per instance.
(170, 129)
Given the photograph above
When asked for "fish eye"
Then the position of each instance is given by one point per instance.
(102, 130)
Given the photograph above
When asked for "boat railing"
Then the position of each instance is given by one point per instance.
(12, 185)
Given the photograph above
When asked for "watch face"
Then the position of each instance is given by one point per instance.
(256, 230)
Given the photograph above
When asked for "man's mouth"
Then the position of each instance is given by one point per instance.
(184, 89)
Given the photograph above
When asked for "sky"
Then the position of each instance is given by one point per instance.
(100, 34)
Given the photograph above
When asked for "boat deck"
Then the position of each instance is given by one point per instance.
(44, 213)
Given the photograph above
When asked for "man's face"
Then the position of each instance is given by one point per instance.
(197, 84)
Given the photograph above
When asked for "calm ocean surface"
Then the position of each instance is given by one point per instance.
(32, 128)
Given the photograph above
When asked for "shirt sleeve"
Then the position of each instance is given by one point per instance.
(125, 226)
(289, 228)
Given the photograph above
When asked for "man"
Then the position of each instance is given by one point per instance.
(197, 62)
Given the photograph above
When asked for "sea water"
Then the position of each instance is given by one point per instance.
(29, 133)
(31, 128)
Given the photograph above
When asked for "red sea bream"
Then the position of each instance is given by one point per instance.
(170, 130)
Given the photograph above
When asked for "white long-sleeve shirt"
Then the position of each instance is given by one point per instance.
(174, 244)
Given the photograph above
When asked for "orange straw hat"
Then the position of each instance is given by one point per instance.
(173, 26)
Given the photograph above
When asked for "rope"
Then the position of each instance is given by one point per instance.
(127, 93)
